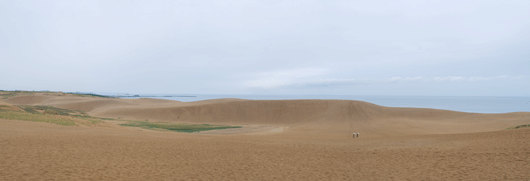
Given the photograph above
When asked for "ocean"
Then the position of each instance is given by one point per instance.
(455, 103)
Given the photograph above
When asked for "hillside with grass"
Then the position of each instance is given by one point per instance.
(66, 117)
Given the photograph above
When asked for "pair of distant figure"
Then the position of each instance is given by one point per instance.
(355, 135)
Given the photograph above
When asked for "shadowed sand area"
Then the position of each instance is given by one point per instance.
(280, 140)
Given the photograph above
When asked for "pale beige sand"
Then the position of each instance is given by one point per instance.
(285, 140)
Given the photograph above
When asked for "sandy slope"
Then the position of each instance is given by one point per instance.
(287, 140)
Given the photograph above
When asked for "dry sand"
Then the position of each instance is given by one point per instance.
(280, 140)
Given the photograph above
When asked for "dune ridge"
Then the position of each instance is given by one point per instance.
(331, 117)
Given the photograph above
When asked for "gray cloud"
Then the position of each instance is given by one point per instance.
(266, 47)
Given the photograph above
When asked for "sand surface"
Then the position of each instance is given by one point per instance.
(280, 140)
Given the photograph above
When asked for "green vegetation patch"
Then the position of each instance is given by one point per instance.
(43, 112)
(12, 115)
(188, 128)
(47, 110)
(520, 126)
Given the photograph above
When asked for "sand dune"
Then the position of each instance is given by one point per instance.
(282, 139)
(329, 117)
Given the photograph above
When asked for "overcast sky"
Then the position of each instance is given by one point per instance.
(413, 47)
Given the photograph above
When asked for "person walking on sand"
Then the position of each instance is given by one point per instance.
(357, 135)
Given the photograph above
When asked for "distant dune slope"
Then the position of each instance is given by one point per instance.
(332, 117)
(28, 100)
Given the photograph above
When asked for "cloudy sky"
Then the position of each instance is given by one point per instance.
(388, 47)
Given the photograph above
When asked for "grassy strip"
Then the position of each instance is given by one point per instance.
(90, 119)
(188, 128)
(520, 126)
(11, 115)
(90, 95)
(8, 94)
(4, 106)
